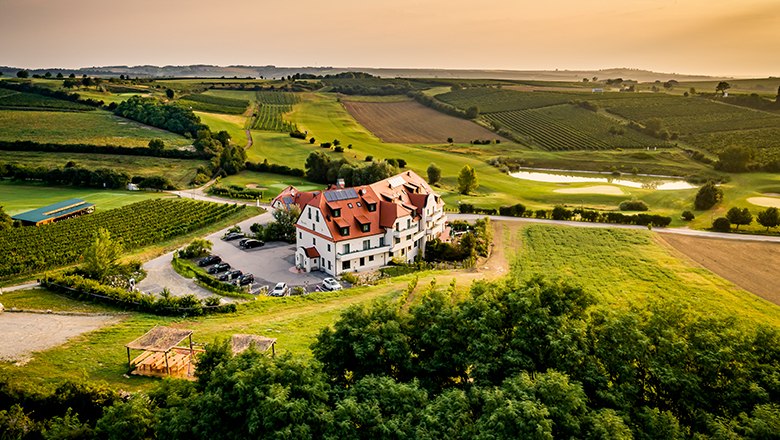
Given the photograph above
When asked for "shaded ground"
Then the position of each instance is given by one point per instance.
(410, 122)
(21, 334)
(750, 265)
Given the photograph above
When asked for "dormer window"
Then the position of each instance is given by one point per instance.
(371, 207)
(365, 228)
(336, 212)
(344, 231)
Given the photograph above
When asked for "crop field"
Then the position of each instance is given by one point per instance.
(276, 98)
(20, 197)
(410, 122)
(214, 104)
(96, 127)
(32, 101)
(179, 171)
(270, 111)
(490, 100)
(566, 127)
(626, 267)
(34, 249)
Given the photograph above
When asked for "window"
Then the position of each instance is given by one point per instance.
(300, 235)
(345, 265)
(344, 231)
(408, 223)
(322, 261)
(328, 247)
(397, 240)
(371, 207)
(309, 213)
(381, 241)
(370, 258)
(346, 248)
(314, 240)
(337, 212)
(362, 261)
(365, 228)
(330, 266)
(359, 205)
(349, 205)
(366, 245)
(317, 215)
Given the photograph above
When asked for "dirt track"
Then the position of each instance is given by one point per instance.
(750, 265)
(410, 122)
(21, 334)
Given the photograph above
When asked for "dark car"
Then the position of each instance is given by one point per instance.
(208, 261)
(231, 275)
(217, 268)
(250, 244)
(244, 280)
(233, 236)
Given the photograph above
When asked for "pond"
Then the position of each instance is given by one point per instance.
(657, 183)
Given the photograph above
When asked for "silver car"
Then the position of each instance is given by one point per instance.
(331, 284)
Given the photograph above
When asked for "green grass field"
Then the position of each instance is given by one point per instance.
(96, 127)
(233, 124)
(270, 184)
(214, 104)
(16, 198)
(179, 171)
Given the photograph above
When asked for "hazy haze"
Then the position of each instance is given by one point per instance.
(719, 37)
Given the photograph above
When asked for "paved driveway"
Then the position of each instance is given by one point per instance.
(270, 264)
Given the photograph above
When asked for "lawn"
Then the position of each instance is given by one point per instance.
(179, 171)
(95, 127)
(16, 198)
(233, 124)
(270, 184)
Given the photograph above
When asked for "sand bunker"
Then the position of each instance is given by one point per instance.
(607, 190)
(768, 202)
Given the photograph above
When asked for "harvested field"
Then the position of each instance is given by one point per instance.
(608, 190)
(409, 122)
(21, 334)
(750, 265)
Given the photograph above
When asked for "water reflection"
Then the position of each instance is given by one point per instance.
(655, 184)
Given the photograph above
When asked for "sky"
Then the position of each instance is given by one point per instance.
(714, 37)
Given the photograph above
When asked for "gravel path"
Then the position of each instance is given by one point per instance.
(21, 334)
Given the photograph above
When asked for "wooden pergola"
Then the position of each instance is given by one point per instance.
(162, 355)
(240, 343)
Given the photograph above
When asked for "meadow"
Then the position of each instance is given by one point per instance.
(233, 124)
(33, 101)
(270, 184)
(179, 171)
(96, 127)
(214, 104)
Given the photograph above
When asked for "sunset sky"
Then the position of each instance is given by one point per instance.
(718, 37)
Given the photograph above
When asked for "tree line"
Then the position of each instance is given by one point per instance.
(534, 359)
(72, 174)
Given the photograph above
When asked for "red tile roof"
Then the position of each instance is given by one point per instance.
(312, 252)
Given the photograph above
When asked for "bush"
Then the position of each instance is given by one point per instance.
(369, 158)
(561, 213)
(512, 211)
(339, 149)
(297, 134)
(721, 224)
(708, 196)
(633, 205)
(687, 216)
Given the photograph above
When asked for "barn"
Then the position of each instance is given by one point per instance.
(55, 212)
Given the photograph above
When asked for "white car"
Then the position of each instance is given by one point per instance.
(331, 284)
(280, 289)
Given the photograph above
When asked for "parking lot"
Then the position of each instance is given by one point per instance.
(270, 264)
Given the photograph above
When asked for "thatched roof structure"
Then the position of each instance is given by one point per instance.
(240, 343)
(160, 339)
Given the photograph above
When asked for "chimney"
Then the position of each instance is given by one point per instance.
(340, 183)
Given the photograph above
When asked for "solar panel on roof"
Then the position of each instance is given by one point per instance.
(396, 181)
(338, 195)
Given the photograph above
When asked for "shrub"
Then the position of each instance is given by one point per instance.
(369, 158)
(297, 134)
(708, 196)
(721, 224)
(512, 211)
(561, 213)
(687, 216)
(339, 149)
(633, 205)
(312, 140)
(325, 145)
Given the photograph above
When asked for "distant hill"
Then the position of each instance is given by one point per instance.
(205, 70)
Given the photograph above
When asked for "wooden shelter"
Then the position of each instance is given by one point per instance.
(240, 343)
(161, 354)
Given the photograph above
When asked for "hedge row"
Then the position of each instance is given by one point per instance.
(235, 192)
(101, 149)
(265, 167)
(577, 214)
(83, 288)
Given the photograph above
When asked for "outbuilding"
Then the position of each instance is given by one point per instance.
(56, 212)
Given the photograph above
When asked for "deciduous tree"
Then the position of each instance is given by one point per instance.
(708, 196)
(769, 218)
(739, 216)
(434, 174)
(722, 87)
(467, 180)
(101, 258)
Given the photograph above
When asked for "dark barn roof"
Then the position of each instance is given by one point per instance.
(53, 212)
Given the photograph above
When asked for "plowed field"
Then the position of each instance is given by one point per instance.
(409, 122)
(750, 265)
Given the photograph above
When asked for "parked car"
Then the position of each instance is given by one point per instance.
(230, 275)
(250, 244)
(331, 284)
(208, 261)
(280, 289)
(233, 236)
(243, 240)
(245, 280)
(217, 268)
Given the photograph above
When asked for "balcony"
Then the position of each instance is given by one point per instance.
(358, 253)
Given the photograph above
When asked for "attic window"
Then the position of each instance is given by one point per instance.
(371, 207)
(359, 205)
(336, 212)
(344, 231)
(349, 205)
(365, 228)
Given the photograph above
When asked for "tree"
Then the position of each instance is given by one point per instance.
(687, 215)
(434, 174)
(317, 165)
(72, 76)
(22, 74)
(132, 419)
(735, 159)
(156, 144)
(199, 247)
(450, 140)
(169, 93)
(721, 224)
(722, 87)
(769, 218)
(467, 180)
(708, 196)
(59, 75)
(101, 258)
(6, 222)
(472, 112)
(739, 216)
